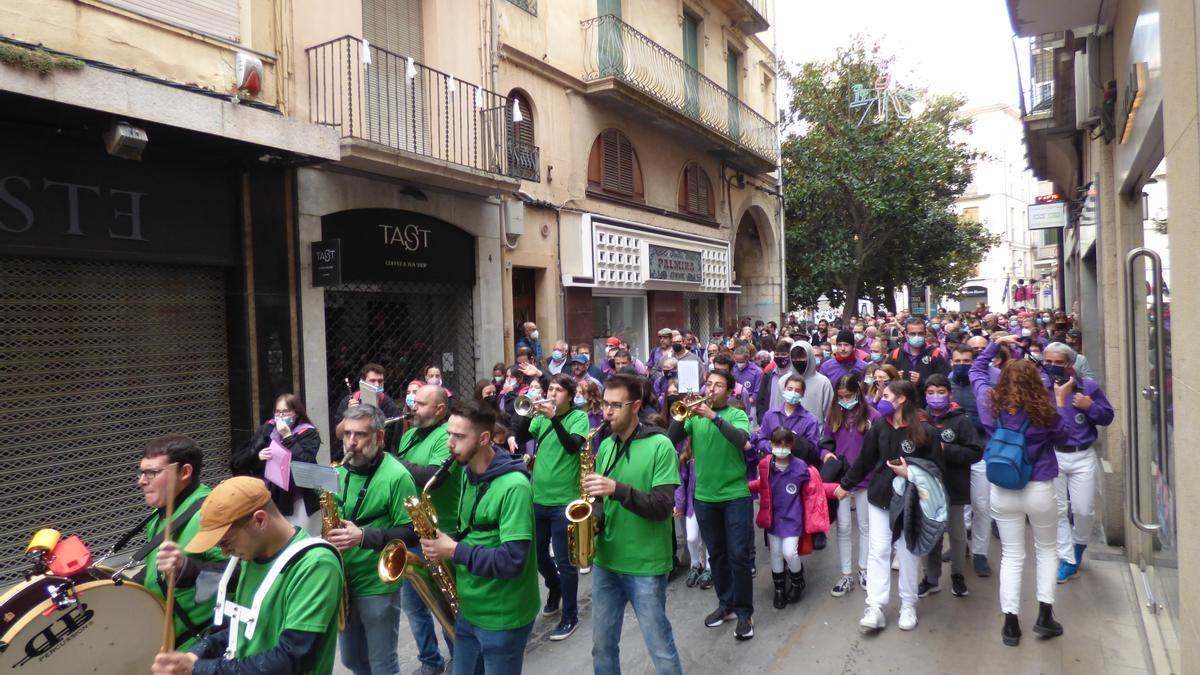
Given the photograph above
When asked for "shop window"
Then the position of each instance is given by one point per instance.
(613, 166)
(696, 192)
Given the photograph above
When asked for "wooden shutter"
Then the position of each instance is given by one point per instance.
(617, 167)
(218, 18)
(696, 192)
(523, 130)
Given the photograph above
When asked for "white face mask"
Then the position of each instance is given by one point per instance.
(435, 381)
(781, 453)
(535, 335)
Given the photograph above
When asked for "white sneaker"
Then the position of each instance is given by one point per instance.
(908, 618)
(872, 619)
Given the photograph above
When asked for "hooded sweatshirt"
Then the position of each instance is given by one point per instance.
(961, 447)
(506, 560)
(818, 392)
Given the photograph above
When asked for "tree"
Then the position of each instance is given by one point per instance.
(870, 206)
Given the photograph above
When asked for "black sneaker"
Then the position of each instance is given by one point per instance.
(552, 601)
(926, 589)
(745, 628)
(958, 586)
(564, 629)
(718, 617)
(705, 581)
(693, 577)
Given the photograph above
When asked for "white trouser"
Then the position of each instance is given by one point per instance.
(1076, 491)
(1009, 508)
(858, 500)
(784, 548)
(879, 563)
(981, 512)
(696, 552)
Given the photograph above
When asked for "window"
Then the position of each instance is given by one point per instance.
(971, 214)
(696, 192)
(613, 165)
(522, 131)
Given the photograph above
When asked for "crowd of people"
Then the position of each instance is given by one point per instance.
(896, 431)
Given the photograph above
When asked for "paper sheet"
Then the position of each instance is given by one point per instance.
(689, 377)
(315, 477)
(278, 469)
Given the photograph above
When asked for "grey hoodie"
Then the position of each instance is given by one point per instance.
(818, 392)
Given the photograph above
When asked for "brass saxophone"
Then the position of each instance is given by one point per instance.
(581, 513)
(331, 521)
(434, 582)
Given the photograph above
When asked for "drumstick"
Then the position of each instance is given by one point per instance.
(168, 641)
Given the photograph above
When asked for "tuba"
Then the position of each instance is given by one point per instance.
(581, 513)
(434, 582)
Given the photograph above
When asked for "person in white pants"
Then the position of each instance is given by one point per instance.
(1076, 483)
(978, 511)
(845, 430)
(1020, 402)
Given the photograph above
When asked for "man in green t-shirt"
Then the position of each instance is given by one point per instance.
(192, 614)
(637, 471)
(724, 511)
(370, 505)
(495, 573)
(422, 450)
(558, 428)
(295, 626)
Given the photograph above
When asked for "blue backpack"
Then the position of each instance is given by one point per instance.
(1006, 462)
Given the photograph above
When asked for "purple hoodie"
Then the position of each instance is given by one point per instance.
(835, 370)
(787, 498)
(1039, 440)
(847, 443)
(685, 494)
(801, 422)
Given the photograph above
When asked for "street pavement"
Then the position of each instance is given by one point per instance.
(820, 635)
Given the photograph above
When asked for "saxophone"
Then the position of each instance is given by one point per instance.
(331, 521)
(581, 515)
(434, 582)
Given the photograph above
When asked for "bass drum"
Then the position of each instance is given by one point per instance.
(112, 629)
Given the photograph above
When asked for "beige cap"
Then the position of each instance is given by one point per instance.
(233, 499)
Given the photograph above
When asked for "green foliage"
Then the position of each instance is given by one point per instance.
(39, 61)
(871, 208)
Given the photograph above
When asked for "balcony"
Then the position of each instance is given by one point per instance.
(1048, 107)
(750, 16)
(401, 118)
(643, 80)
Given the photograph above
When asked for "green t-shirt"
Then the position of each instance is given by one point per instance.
(200, 614)
(433, 450)
(720, 467)
(305, 597)
(381, 506)
(499, 604)
(629, 543)
(556, 472)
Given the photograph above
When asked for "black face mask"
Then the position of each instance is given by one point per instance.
(800, 366)
(677, 346)
(781, 361)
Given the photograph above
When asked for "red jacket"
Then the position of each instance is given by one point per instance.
(816, 506)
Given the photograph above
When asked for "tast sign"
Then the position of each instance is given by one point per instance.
(395, 245)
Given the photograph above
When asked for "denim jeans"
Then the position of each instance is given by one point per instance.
(422, 624)
(648, 595)
(478, 651)
(368, 644)
(728, 532)
(550, 526)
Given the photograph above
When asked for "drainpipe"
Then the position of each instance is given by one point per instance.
(783, 303)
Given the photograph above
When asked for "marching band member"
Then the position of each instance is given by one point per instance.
(289, 582)
(637, 471)
(371, 508)
(496, 575)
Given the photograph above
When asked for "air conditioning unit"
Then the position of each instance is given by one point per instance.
(1089, 97)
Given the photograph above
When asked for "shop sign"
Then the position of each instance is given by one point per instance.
(1047, 216)
(675, 264)
(327, 262)
(394, 245)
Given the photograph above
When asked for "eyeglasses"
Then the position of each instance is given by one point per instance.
(609, 405)
(149, 474)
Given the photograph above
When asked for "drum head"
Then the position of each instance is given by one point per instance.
(111, 630)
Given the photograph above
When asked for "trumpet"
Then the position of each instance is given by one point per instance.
(527, 407)
(681, 410)
(581, 513)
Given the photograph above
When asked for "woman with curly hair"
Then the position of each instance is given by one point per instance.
(1021, 402)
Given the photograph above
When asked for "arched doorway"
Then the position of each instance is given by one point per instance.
(753, 254)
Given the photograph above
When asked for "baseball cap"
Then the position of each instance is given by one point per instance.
(613, 341)
(664, 332)
(233, 499)
(579, 358)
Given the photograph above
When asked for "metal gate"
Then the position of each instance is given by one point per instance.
(95, 359)
(404, 327)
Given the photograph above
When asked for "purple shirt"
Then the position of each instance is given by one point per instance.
(834, 369)
(848, 442)
(750, 378)
(787, 498)
(685, 494)
(1081, 424)
(657, 355)
(800, 422)
(1039, 440)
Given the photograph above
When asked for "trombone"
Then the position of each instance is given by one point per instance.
(527, 407)
(681, 410)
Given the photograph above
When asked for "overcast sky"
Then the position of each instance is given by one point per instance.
(950, 46)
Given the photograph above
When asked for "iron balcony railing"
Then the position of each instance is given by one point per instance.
(1040, 95)
(372, 94)
(613, 48)
(524, 160)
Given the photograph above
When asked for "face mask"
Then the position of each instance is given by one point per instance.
(534, 394)
(800, 366)
(410, 400)
(960, 371)
(937, 402)
(781, 453)
(1056, 373)
(916, 341)
(534, 335)
(781, 361)
(668, 374)
(935, 326)
(825, 353)
(791, 397)
(497, 379)
(580, 401)
(677, 347)
(858, 337)
(885, 407)
(1025, 332)
(556, 355)
(285, 420)
(848, 404)
(435, 381)
(510, 383)
(875, 357)
(740, 366)
(1036, 356)
(490, 399)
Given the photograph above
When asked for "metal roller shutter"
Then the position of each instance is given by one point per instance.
(96, 358)
(218, 18)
